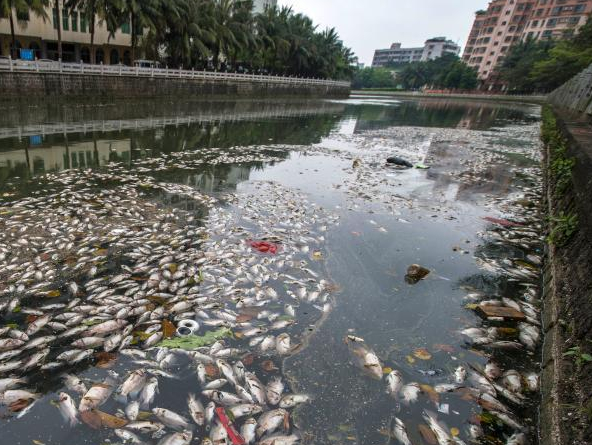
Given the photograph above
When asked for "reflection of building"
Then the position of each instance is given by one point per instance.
(57, 158)
(260, 5)
(506, 22)
(432, 49)
(33, 32)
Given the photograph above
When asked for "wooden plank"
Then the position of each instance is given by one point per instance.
(507, 313)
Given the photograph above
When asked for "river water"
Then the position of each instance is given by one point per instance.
(145, 214)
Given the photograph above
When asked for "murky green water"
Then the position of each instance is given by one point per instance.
(317, 170)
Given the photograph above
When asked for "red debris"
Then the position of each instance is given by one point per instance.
(264, 246)
(502, 222)
(235, 437)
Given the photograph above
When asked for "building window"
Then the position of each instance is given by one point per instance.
(580, 8)
(551, 23)
(83, 24)
(74, 17)
(125, 28)
(65, 20)
(55, 18)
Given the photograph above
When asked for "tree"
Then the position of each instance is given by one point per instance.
(373, 78)
(96, 12)
(447, 72)
(21, 8)
(141, 15)
(518, 64)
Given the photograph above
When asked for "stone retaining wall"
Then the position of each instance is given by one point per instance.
(566, 409)
(24, 86)
(575, 95)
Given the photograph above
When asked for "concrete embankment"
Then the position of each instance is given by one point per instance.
(566, 410)
(536, 99)
(28, 85)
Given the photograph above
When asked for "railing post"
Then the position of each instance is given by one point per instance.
(60, 61)
(101, 67)
(81, 67)
(152, 72)
(36, 65)
(193, 73)
(120, 68)
(10, 62)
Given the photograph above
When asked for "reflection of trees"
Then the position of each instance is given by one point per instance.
(438, 113)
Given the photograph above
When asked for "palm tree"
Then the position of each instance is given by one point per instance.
(96, 12)
(141, 14)
(231, 27)
(21, 7)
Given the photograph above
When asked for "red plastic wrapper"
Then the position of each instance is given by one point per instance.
(234, 436)
(264, 246)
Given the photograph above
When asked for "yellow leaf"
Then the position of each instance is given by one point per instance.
(422, 354)
(387, 370)
(53, 293)
(454, 431)
(471, 306)
(410, 359)
(173, 267)
(38, 442)
(317, 255)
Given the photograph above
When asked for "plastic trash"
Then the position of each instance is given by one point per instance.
(264, 246)
(399, 161)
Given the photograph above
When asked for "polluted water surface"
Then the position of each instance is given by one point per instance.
(258, 273)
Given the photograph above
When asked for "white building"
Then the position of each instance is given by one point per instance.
(432, 49)
(260, 5)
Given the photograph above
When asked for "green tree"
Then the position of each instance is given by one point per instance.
(373, 78)
(96, 12)
(9, 8)
(519, 63)
(141, 15)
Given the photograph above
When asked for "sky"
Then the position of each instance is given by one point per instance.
(366, 25)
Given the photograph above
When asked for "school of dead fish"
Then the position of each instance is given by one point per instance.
(92, 265)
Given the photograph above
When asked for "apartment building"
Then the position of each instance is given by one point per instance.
(506, 22)
(41, 36)
(432, 49)
(260, 5)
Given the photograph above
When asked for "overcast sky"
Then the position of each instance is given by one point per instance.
(366, 25)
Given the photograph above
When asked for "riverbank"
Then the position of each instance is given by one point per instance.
(566, 410)
(28, 85)
(464, 97)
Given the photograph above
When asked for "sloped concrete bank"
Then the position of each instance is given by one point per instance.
(24, 86)
(566, 409)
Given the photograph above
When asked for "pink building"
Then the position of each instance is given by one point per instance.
(506, 22)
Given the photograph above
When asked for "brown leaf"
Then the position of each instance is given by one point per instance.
(105, 360)
(427, 434)
(431, 393)
(444, 348)
(212, 370)
(248, 359)
(243, 318)
(268, 366)
(31, 318)
(168, 329)
(92, 419)
(109, 421)
(287, 422)
(19, 405)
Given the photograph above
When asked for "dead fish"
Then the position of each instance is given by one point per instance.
(440, 430)
(274, 391)
(171, 419)
(270, 421)
(513, 381)
(248, 430)
(182, 438)
(366, 358)
(460, 374)
(290, 401)
(133, 384)
(410, 393)
(400, 432)
(96, 395)
(394, 382)
(196, 410)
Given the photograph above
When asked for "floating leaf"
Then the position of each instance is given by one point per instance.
(141, 335)
(427, 434)
(243, 318)
(156, 300)
(454, 431)
(212, 370)
(386, 370)
(30, 319)
(144, 415)
(173, 267)
(422, 354)
(100, 252)
(410, 360)
(431, 393)
(16, 310)
(192, 342)
(105, 360)
(109, 421)
(445, 348)
(471, 306)
(268, 366)
(12, 325)
(53, 293)
(92, 419)
(317, 255)
(38, 442)
(19, 405)
(168, 329)
(248, 360)
(345, 428)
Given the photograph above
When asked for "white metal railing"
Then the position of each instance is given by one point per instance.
(8, 64)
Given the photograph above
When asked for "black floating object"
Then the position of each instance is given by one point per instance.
(399, 161)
